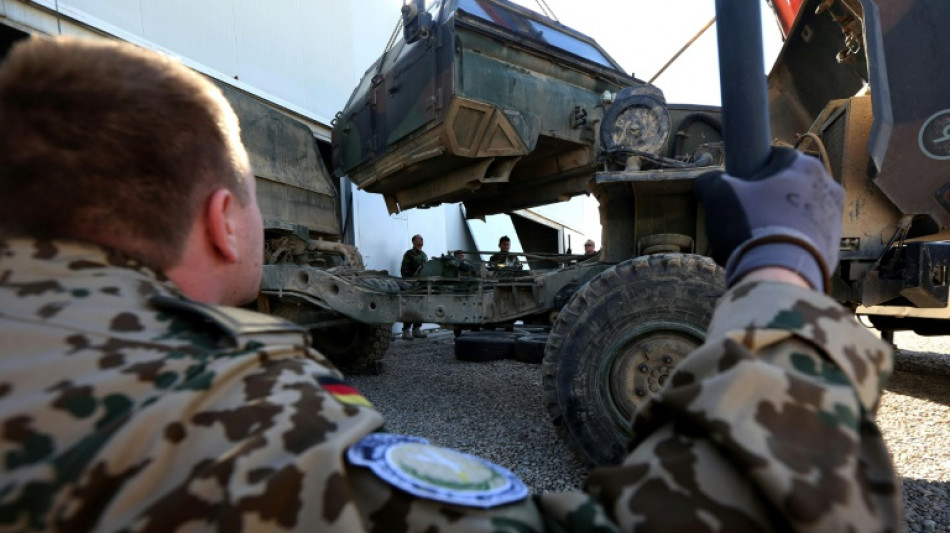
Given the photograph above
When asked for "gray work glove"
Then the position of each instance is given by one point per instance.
(787, 215)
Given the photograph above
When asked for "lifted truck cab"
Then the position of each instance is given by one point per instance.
(489, 104)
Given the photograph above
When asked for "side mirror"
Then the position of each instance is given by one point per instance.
(416, 21)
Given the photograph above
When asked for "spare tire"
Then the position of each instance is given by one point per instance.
(530, 348)
(484, 346)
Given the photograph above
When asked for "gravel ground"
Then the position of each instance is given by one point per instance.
(915, 418)
(495, 410)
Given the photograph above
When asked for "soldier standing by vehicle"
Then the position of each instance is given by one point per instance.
(412, 262)
(465, 267)
(502, 259)
(589, 250)
(130, 399)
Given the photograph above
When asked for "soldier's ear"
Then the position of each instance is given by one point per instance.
(220, 212)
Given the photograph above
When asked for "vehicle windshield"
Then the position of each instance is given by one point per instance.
(519, 23)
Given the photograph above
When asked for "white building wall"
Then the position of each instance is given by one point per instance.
(457, 234)
(383, 238)
(306, 55)
(581, 214)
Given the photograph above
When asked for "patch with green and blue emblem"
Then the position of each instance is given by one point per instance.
(421, 469)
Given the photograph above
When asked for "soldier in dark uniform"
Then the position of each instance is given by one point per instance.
(131, 399)
(412, 262)
(466, 268)
(502, 259)
(589, 250)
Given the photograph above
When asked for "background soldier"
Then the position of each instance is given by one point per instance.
(502, 258)
(589, 250)
(466, 268)
(412, 262)
(129, 400)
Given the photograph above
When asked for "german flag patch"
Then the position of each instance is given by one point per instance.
(342, 392)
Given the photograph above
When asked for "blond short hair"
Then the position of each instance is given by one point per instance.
(105, 138)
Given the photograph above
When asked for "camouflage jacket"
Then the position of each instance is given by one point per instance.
(412, 261)
(768, 426)
(501, 259)
(124, 406)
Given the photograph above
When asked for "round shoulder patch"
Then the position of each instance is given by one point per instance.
(421, 469)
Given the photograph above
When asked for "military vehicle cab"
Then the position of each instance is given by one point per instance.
(490, 104)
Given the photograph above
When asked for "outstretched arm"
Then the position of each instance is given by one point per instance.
(770, 424)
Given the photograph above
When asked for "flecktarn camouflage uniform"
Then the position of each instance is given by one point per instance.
(124, 406)
(770, 422)
(412, 261)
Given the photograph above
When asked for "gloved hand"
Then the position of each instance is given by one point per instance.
(788, 215)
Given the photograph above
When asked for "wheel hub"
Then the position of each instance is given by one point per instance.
(640, 364)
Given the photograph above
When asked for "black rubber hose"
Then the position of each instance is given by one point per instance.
(745, 108)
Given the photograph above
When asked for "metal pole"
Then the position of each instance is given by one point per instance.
(683, 49)
(745, 106)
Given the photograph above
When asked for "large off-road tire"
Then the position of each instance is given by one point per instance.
(530, 348)
(485, 346)
(616, 342)
(354, 348)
